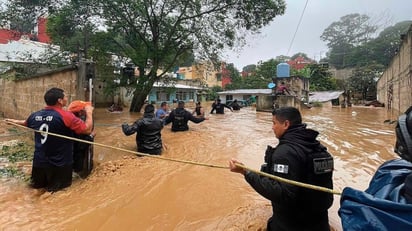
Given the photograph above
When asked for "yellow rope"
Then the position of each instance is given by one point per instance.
(280, 179)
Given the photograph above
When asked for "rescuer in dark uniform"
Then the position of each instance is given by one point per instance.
(298, 157)
(179, 118)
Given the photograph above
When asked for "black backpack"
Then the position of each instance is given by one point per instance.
(179, 120)
(319, 168)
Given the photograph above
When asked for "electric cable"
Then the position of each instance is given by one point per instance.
(297, 28)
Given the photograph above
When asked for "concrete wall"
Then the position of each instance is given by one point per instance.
(21, 97)
(342, 74)
(267, 103)
(394, 88)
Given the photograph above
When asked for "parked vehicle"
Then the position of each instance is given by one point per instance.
(242, 103)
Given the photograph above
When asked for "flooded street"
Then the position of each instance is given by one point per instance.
(125, 192)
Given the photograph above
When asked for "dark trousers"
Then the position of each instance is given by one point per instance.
(51, 178)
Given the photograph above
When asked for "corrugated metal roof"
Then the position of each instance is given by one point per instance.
(25, 51)
(323, 96)
(247, 92)
(177, 85)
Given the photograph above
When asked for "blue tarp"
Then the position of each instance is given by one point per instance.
(382, 206)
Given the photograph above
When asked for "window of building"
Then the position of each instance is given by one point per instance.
(219, 76)
(162, 96)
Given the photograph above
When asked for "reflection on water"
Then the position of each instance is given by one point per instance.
(126, 192)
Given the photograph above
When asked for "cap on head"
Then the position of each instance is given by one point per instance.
(149, 108)
(181, 104)
(403, 130)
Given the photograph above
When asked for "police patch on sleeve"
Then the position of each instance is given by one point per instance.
(281, 168)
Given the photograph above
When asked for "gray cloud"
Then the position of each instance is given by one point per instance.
(276, 38)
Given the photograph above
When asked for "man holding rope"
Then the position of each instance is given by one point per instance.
(298, 157)
(53, 156)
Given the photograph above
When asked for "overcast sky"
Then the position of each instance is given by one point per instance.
(276, 38)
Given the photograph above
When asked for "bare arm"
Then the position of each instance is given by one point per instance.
(89, 120)
(14, 121)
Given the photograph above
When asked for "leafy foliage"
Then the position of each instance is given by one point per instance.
(21, 152)
(212, 92)
(320, 78)
(236, 79)
(363, 79)
(342, 36)
(352, 29)
(263, 75)
(157, 35)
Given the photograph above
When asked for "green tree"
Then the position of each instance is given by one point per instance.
(156, 35)
(263, 75)
(21, 16)
(249, 68)
(212, 92)
(342, 36)
(236, 79)
(363, 79)
(74, 27)
(386, 45)
(320, 78)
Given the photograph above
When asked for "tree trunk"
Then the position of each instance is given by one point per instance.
(137, 102)
(142, 90)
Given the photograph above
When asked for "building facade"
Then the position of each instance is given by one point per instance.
(394, 87)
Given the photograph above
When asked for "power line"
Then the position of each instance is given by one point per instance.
(297, 28)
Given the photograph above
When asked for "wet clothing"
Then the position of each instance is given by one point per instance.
(179, 119)
(220, 108)
(148, 133)
(235, 106)
(51, 178)
(385, 204)
(52, 150)
(281, 90)
(83, 156)
(198, 110)
(296, 208)
(53, 156)
(161, 114)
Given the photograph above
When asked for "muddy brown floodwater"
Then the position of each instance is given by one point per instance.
(125, 192)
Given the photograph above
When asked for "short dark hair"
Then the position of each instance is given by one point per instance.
(288, 113)
(149, 108)
(53, 95)
(181, 104)
(163, 104)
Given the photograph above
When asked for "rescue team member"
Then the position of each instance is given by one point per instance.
(162, 112)
(82, 152)
(148, 132)
(198, 111)
(388, 198)
(219, 107)
(53, 156)
(179, 118)
(299, 157)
